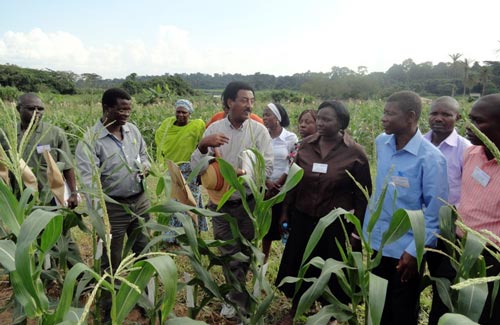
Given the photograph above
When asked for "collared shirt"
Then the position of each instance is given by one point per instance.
(325, 184)
(480, 202)
(283, 145)
(251, 134)
(417, 179)
(453, 148)
(44, 137)
(119, 162)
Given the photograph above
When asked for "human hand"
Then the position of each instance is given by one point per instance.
(212, 140)
(407, 267)
(72, 201)
(272, 189)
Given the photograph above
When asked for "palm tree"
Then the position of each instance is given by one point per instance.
(467, 63)
(484, 76)
(454, 58)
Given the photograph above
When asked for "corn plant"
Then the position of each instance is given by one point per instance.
(134, 272)
(199, 251)
(354, 272)
(467, 293)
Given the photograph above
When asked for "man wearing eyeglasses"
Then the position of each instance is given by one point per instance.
(114, 151)
(231, 136)
(39, 137)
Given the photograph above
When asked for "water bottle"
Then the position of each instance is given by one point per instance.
(284, 236)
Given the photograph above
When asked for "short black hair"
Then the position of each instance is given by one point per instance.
(493, 101)
(285, 120)
(231, 91)
(111, 96)
(407, 101)
(341, 111)
(24, 97)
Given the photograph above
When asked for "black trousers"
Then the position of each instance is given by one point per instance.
(402, 298)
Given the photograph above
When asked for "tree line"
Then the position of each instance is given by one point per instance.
(459, 76)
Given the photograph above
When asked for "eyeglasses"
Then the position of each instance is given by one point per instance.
(33, 108)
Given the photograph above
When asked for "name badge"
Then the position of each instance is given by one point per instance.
(480, 176)
(320, 168)
(400, 181)
(42, 148)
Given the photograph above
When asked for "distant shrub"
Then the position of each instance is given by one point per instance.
(9, 93)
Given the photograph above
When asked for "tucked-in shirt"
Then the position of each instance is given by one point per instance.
(177, 143)
(416, 179)
(480, 202)
(326, 184)
(221, 115)
(453, 148)
(251, 134)
(119, 161)
(44, 137)
(283, 145)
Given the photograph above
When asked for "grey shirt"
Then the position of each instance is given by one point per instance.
(119, 162)
(251, 134)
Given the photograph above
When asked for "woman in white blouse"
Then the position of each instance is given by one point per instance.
(276, 120)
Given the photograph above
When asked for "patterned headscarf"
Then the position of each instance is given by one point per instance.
(186, 104)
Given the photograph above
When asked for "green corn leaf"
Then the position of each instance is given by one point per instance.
(378, 290)
(28, 234)
(474, 246)
(418, 226)
(400, 224)
(167, 272)
(10, 210)
(127, 296)
(329, 267)
(64, 305)
(455, 319)
(7, 253)
(471, 300)
(444, 291)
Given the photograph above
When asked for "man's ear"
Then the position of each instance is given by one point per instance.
(458, 117)
(412, 117)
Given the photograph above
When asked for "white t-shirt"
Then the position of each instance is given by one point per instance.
(282, 146)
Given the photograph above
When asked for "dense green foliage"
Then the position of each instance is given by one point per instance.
(460, 76)
(32, 80)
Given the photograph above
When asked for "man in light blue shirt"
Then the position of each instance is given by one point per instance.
(415, 173)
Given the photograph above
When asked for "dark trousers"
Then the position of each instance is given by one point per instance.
(222, 231)
(493, 269)
(439, 267)
(122, 223)
(401, 301)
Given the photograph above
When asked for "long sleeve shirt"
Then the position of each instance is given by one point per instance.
(417, 179)
(326, 184)
(453, 148)
(251, 134)
(119, 161)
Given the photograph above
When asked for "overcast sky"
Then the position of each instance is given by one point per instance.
(282, 37)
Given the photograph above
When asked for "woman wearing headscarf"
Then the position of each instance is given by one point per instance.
(176, 139)
(325, 157)
(276, 120)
